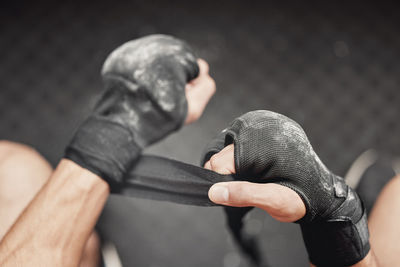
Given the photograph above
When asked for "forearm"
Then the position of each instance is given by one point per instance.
(53, 229)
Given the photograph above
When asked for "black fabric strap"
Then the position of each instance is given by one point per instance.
(163, 179)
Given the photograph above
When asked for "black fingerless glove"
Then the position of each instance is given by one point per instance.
(144, 100)
(270, 147)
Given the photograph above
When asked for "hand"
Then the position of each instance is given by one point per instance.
(144, 101)
(281, 202)
(273, 149)
(198, 92)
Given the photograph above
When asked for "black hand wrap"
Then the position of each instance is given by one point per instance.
(273, 148)
(143, 102)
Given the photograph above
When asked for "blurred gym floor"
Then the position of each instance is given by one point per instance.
(331, 66)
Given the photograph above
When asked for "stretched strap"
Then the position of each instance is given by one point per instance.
(165, 179)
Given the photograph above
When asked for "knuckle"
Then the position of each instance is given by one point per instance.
(215, 162)
(243, 194)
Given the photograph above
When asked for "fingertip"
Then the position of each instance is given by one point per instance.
(203, 66)
(218, 193)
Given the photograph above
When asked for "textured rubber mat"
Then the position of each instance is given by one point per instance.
(333, 67)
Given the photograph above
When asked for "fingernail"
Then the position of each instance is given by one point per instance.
(219, 194)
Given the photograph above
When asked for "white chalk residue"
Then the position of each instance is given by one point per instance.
(296, 135)
(133, 59)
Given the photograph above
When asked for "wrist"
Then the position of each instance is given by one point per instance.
(80, 178)
(105, 148)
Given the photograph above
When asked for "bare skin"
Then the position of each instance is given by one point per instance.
(384, 224)
(19, 185)
(199, 92)
(45, 236)
(55, 226)
(285, 205)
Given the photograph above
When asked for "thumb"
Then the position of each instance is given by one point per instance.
(281, 202)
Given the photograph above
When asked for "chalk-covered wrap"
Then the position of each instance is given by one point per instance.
(270, 147)
(144, 100)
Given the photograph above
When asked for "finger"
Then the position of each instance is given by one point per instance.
(199, 92)
(201, 83)
(202, 88)
(203, 67)
(198, 95)
(203, 72)
(207, 165)
(223, 162)
(281, 202)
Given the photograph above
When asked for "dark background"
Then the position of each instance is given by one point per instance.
(333, 67)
